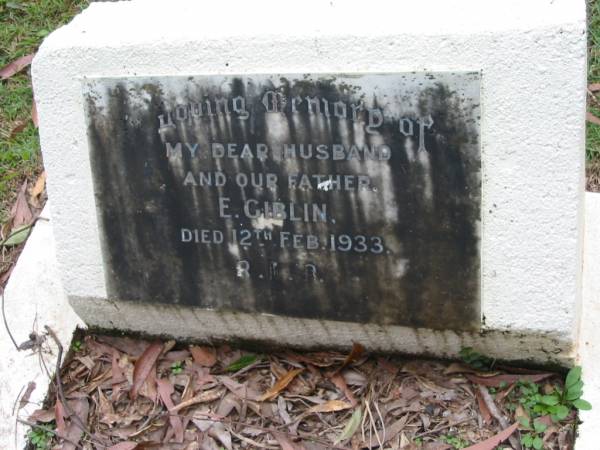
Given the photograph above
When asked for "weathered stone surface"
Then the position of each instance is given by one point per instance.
(339, 197)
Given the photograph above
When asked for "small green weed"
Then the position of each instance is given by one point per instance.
(534, 437)
(40, 438)
(76, 346)
(177, 367)
(455, 441)
(559, 403)
(475, 359)
(574, 390)
(537, 404)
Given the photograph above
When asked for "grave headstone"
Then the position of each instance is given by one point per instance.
(413, 188)
(342, 197)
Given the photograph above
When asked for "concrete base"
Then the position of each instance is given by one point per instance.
(34, 298)
(186, 323)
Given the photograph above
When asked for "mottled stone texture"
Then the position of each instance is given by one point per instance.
(412, 255)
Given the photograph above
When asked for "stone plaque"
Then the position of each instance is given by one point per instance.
(325, 196)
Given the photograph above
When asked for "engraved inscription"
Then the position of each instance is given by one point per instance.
(337, 197)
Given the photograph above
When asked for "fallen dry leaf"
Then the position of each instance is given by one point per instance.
(17, 127)
(486, 415)
(501, 395)
(392, 431)
(132, 347)
(127, 445)
(117, 373)
(354, 378)
(594, 87)
(204, 356)
(16, 66)
(497, 380)
(4, 276)
(286, 443)
(340, 383)
(42, 415)
(318, 359)
(149, 388)
(203, 397)
(59, 414)
(208, 443)
(404, 442)
(219, 432)
(74, 432)
(105, 411)
(357, 351)
(165, 390)
(38, 189)
(281, 384)
(491, 443)
(329, 406)
(34, 114)
(592, 118)
(143, 366)
(168, 345)
(282, 407)
(457, 367)
(27, 394)
(21, 213)
(243, 391)
(229, 403)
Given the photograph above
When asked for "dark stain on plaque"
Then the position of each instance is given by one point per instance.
(338, 197)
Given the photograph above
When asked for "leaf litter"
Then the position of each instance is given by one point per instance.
(15, 66)
(14, 231)
(16, 228)
(127, 395)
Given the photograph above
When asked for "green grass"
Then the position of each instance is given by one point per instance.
(593, 131)
(23, 25)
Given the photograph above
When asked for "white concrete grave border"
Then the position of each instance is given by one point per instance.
(532, 152)
(532, 141)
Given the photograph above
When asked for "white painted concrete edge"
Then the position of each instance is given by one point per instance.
(589, 343)
(34, 297)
